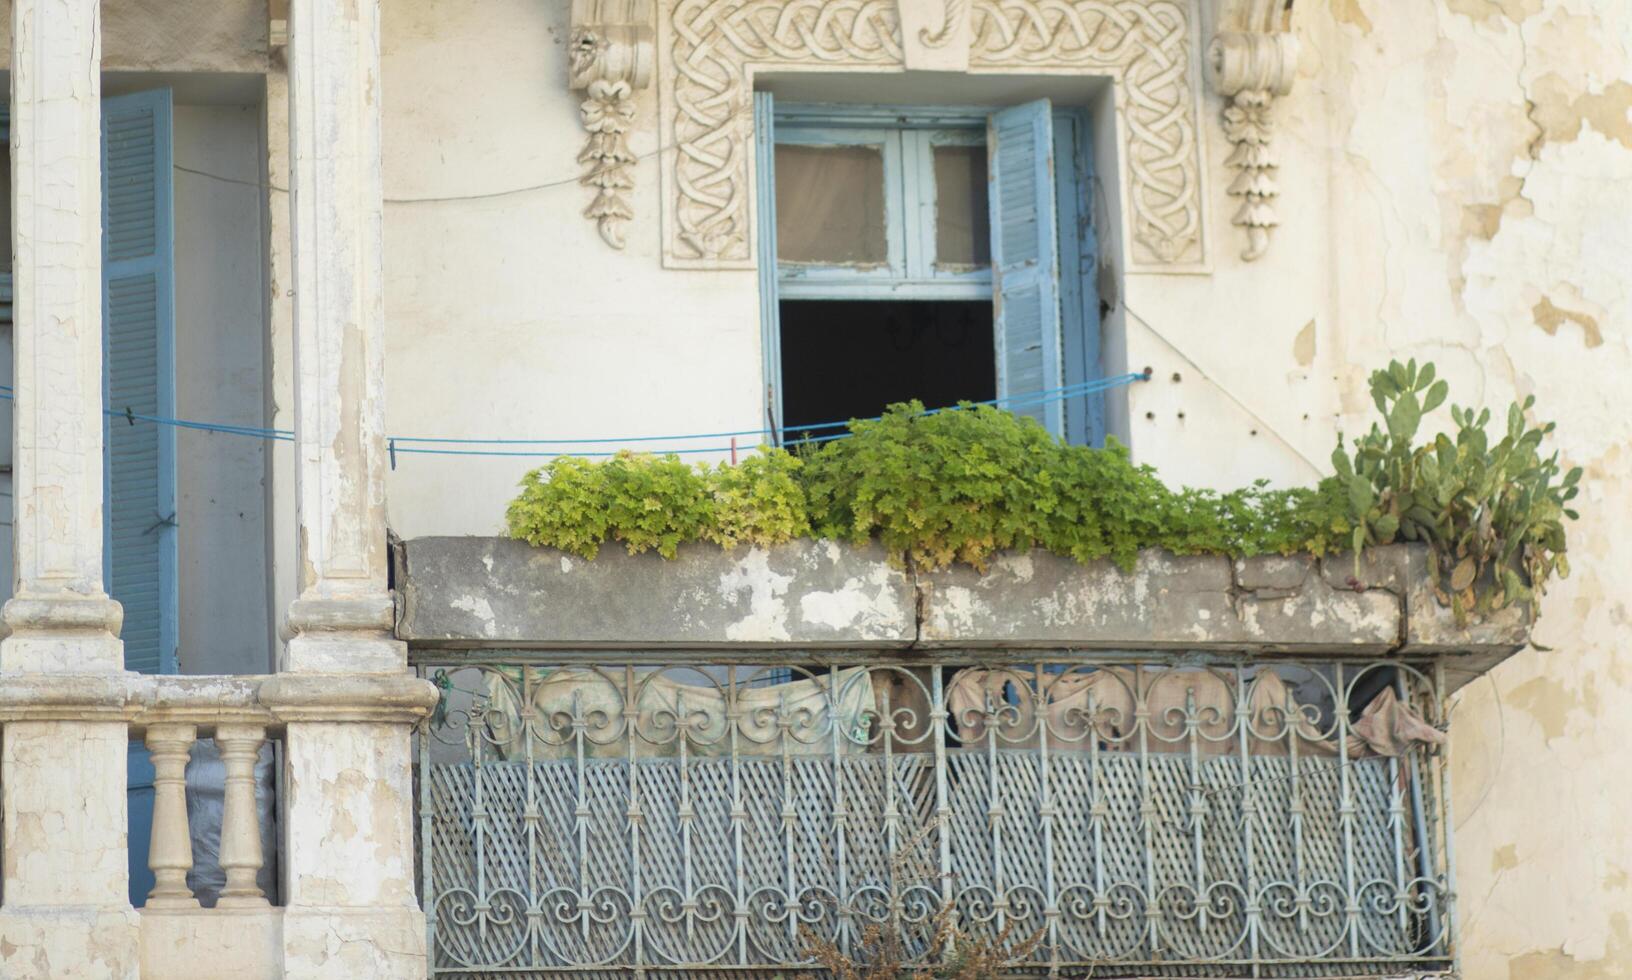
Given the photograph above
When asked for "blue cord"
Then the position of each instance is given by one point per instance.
(1028, 399)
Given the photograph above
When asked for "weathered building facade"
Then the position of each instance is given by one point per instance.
(354, 228)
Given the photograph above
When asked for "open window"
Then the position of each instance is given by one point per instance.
(937, 253)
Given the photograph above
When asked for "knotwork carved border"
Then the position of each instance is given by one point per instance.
(710, 50)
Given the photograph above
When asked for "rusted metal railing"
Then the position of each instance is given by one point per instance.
(1130, 815)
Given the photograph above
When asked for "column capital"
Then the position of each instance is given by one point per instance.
(62, 611)
(62, 633)
(374, 612)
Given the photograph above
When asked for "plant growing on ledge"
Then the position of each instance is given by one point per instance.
(1493, 516)
(959, 486)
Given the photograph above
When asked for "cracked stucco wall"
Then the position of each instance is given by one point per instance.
(1456, 187)
(1481, 163)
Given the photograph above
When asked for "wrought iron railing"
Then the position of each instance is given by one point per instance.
(1143, 815)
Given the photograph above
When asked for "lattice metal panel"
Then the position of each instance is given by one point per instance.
(1135, 818)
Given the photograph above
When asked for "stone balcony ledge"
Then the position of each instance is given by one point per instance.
(269, 700)
(497, 593)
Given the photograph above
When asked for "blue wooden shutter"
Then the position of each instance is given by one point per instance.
(1025, 261)
(1079, 286)
(138, 308)
(770, 310)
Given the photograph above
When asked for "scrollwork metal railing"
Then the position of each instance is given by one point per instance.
(1142, 816)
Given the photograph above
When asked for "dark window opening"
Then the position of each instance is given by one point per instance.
(846, 359)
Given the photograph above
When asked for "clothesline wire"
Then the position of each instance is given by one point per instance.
(431, 445)
(1067, 391)
(430, 199)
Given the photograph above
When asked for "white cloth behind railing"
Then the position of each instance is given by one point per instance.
(206, 800)
(1107, 700)
(798, 715)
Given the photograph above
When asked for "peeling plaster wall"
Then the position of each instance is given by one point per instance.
(1456, 186)
(1486, 151)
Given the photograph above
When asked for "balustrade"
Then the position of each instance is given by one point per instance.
(170, 855)
(182, 939)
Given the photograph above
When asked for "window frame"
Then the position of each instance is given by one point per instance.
(1076, 185)
(906, 135)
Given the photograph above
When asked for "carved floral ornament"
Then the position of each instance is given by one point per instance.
(610, 57)
(1251, 61)
(709, 50)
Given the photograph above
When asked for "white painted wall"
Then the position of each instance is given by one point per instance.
(508, 315)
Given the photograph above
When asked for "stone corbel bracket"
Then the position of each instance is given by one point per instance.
(611, 54)
(1252, 61)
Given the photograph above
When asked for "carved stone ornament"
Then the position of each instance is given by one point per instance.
(611, 55)
(1252, 61)
(710, 50)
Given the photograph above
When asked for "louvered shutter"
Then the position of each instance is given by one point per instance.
(1025, 261)
(138, 309)
(770, 305)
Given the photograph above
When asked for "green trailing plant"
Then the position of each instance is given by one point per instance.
(646, 502)
(961, 485)
(760, 501)
(937, 488)
(958, 486)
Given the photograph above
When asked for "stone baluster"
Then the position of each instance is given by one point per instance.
(241, 858)
(170, 853)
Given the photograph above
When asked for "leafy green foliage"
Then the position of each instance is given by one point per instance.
(759, 502)
(1492, 514)
(952, 486)
(1254, 520)
(644, 501)
(958, 486)
(1107, 507)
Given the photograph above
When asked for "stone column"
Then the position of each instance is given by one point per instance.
(349, 861)
(67, 911)
(335, 191)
